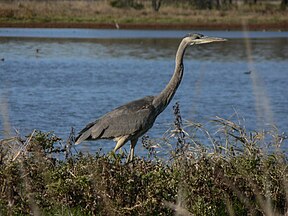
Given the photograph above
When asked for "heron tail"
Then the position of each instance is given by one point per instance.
(86, 133)
(81, 137)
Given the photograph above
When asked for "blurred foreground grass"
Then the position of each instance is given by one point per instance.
(240, 173)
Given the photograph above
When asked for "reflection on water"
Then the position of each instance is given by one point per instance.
(53, 84)
(233, 49)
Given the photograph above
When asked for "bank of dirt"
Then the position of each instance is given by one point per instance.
(283, 26)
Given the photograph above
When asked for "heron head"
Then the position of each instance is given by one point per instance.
(201, 39)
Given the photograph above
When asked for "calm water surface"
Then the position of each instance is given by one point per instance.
(53, 79)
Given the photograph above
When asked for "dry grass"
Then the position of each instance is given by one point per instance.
(103, 12)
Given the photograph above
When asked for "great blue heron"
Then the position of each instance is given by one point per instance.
(132, 120)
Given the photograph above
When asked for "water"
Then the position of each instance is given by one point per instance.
(53, 79)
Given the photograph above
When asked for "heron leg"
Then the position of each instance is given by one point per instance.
(132, 146)
(120, 142)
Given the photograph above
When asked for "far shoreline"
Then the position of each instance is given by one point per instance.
(149, 26)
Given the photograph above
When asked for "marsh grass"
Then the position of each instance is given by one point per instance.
(102, 12)
(241, 173)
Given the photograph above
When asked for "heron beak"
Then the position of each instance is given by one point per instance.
(209, 40)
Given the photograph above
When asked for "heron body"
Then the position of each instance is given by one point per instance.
(130, 121)
(127, 122)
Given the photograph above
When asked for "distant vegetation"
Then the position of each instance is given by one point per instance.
(198, 4)
(238, 173)
(180, 12)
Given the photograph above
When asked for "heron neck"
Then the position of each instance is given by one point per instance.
(162, 100)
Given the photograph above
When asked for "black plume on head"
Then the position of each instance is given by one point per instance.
(195, 35)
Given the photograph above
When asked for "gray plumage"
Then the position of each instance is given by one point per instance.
(130, 121)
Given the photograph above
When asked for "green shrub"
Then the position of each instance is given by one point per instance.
(235, 175)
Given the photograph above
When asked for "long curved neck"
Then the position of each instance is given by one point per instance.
(162, 100)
